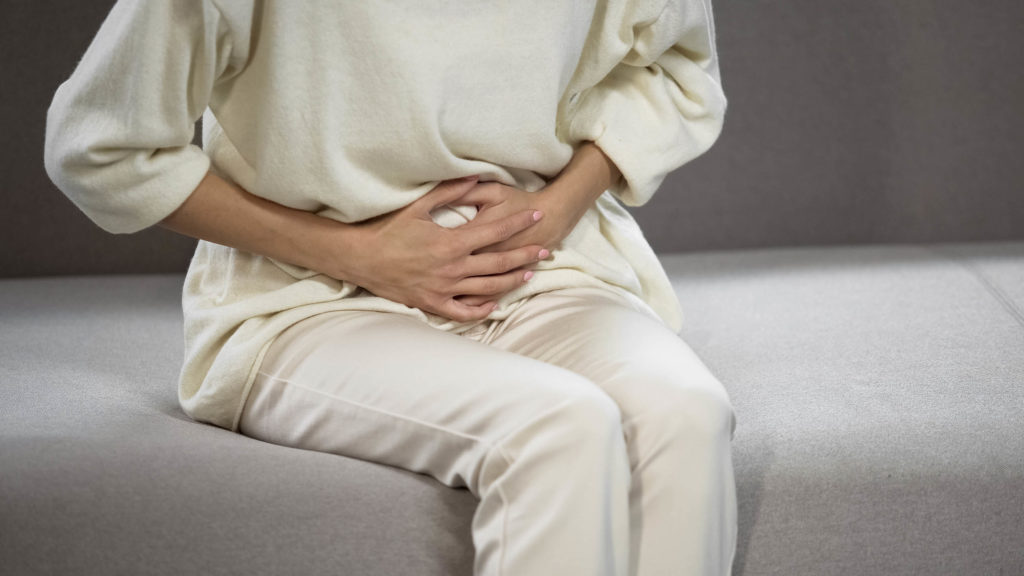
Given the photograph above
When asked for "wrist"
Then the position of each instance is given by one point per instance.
(576, 188)
(334, 248)
(607, 173)
(561, 202)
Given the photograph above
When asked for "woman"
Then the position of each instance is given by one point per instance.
(364, 202)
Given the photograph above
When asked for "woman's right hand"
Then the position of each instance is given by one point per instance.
(407, 257)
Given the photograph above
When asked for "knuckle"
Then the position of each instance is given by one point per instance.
(506, 228)
(442, 251)
(503, 262)
(435, 304)
(457, 313)
(438, 252)
(450, 269)
(459, 246)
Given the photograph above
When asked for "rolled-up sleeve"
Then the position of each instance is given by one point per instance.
(662, 104)
(119, 129)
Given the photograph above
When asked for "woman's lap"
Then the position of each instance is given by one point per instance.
(388, 388)
(631, 355)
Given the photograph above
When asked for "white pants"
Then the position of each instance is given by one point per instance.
(597, 442)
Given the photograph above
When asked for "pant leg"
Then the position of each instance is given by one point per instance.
(678, 421)
(539, 445)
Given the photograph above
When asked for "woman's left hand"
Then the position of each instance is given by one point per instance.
(495, 200)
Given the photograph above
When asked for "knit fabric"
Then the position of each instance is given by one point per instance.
(350, 110)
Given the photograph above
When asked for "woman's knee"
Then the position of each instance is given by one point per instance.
(588, 438)
(672, 384)
(700, 413)
(592, 415)
(704, 411)
(585, 421)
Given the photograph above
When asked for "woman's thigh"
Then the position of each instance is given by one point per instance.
(646, 368)
(390, 389)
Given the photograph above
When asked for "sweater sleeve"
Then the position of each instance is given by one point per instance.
(661, 104)
(119, 129)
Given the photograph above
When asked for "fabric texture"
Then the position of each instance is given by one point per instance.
(355, 109)
(596, 440)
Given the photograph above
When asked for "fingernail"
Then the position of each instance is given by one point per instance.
(537, 215)
(528, 275)
(543, 254)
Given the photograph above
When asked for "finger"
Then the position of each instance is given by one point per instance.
(474, 300)
(444, 193)
(477, 299)
(498, 262)
(479, 195)
(463, 312)
(478, 235)
(494, 284)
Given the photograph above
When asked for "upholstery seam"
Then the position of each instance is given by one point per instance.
(990, 286)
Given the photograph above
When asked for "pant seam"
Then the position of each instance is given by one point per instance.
(504, 526)
(508, 461)
(380, 410)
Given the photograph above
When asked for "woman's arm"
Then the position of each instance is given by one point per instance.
(119, 130)
(570, 194)
(658, 102)
(403, 255)
(222, 212)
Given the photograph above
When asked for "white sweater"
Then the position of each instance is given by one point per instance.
(355, 109)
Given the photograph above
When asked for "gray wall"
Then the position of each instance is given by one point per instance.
(849, 122)
(858, 122)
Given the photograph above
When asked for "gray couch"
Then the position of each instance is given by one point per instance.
(878, 391)
(850, 259)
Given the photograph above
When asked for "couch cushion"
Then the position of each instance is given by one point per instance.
(880, 403)
(879, 407)
(103, 474)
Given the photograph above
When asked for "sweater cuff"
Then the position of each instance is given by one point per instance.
(149, 187)
(640, 170)
(645, 129)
